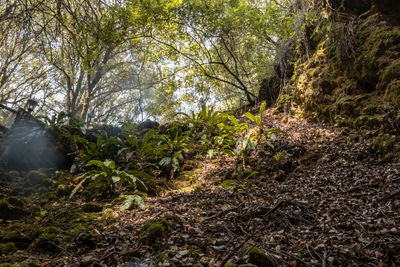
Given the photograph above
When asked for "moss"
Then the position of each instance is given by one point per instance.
(109, 216)
(9, 212)
(19, 235)
(161, 258)
(8, 248)
(8, 265)
(384, 143)
(392, 92)
(18, 202)
(10, 176)
(259, 258)
(391, 72)
(5, 209)
(154, 230)
(359, 90)
(92, 206)
(37, 178)
(229, 264)
(63, 190)
(47, 240)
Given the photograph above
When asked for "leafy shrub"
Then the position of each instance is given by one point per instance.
(103, 180)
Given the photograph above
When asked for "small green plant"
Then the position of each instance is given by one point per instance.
(104, 179)
(104, 147)
(135, 151)
(171, 147)
(247, 143)
(258, 118)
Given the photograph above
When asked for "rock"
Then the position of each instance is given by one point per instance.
(8, 248)
(259, 258)
(37, 178)
(10, 212)
(92, 207)
(47, 240)
(384, 143)
(63, 190)
(109, 216)
(154, 230)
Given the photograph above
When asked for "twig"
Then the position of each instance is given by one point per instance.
(225, 260)
(222, 212)
(274, 208)
(324, 259)
(290, 256)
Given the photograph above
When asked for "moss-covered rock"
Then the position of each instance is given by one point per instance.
(229, 264)
(18, 234)
(109, 216)
(9, 211)
(93, 206)
(154, 230)
(259, 258)
(16, 201)
(384, 143)
(37, 178)
(63, 190)
(351, 77)
(48, 240)
(161, 258)
(7, 248)
(8, 265)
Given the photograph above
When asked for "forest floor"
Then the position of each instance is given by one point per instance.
(331, 199)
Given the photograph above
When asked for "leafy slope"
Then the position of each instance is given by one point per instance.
(333, 199)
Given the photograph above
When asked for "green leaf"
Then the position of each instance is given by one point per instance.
(109, 164)
(258, 120)
(228, 183)
(250, 116)
(262, 108)
(77, 187)
(116, 179)
(279, 156)
(210, 153)
(275, 130)
(251, 174)
(234, 120)
(175, 164)
(129, 155)
(165, 161)
(97, 163)
(131, 201)
(141, 174)
(43, 213)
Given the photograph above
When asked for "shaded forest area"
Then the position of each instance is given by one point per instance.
(199, 133)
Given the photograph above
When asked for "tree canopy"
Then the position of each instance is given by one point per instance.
(110, 61)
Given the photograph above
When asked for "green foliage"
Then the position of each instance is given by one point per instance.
(131, 201)
(257, 119)
(171, 147)
(134, 149)
(104, 179)
(226, 184)
(104, 147)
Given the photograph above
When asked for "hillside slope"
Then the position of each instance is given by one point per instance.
(332, 199)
